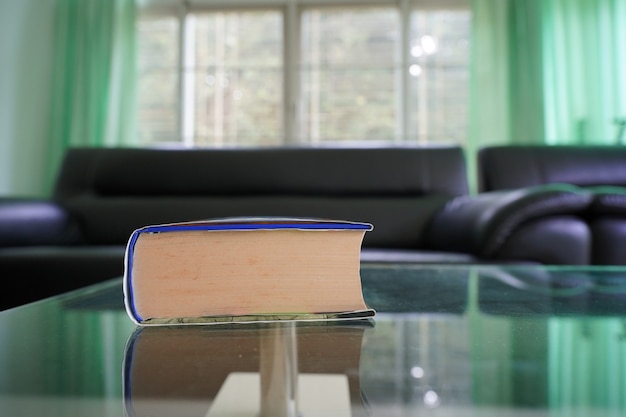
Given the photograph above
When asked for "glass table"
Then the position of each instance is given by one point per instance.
(446, 341)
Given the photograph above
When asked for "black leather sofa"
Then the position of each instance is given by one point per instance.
(599, 170)
(416, 198)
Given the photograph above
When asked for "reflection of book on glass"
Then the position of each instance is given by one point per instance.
(245, 269)
(227, 371)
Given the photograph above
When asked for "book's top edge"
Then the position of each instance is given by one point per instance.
(259, 223)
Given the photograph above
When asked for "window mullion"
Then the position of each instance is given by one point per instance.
(291, 73)
(403, 75)
(186, 76)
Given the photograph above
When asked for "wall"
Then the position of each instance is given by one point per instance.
(25, 56)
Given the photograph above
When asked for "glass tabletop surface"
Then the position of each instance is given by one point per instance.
(445, 341)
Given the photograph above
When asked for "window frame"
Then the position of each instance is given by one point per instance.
(292, 11)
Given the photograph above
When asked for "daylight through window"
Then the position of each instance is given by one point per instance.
(299, 72)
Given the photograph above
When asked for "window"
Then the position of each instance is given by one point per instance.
(236, 74)
(438, 75)
(157, 94)
(303, 72)
(349, 58)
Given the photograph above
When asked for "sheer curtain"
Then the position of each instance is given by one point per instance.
(547, 71)
(583, 70)
(582, 353)
(93, 72)
(25, 47)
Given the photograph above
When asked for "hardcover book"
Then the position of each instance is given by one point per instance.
(245, 269)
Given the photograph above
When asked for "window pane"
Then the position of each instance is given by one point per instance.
(439, 68)
(238, 78)
(353, 80)
(158, 79)
(348, 74)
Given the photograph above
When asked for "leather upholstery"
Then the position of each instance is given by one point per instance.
(114, 191)
(516, 166)
(505, 225)
(550, 240)
(599, 170)
(27, 222)
(271, 171)
(417, 198)
(609, 239)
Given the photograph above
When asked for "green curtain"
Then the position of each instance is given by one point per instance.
(505, 88)
(87, 365)
(506, 96)
(547, 71)
(584, 66)
(93, 84)
(587, 364)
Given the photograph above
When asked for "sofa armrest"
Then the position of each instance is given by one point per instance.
(30, 221)
(608, 199)
(481, 224)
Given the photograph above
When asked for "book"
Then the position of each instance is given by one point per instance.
(261, 369)
(245, 270)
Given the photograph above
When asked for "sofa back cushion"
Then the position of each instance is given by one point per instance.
(515, 166)
(116, 190)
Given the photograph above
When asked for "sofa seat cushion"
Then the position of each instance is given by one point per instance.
(551, 240)
(385, 255)
(609, 239)
(608, 200)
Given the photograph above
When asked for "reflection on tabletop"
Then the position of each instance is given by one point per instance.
(254, 370)
(516, 341)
